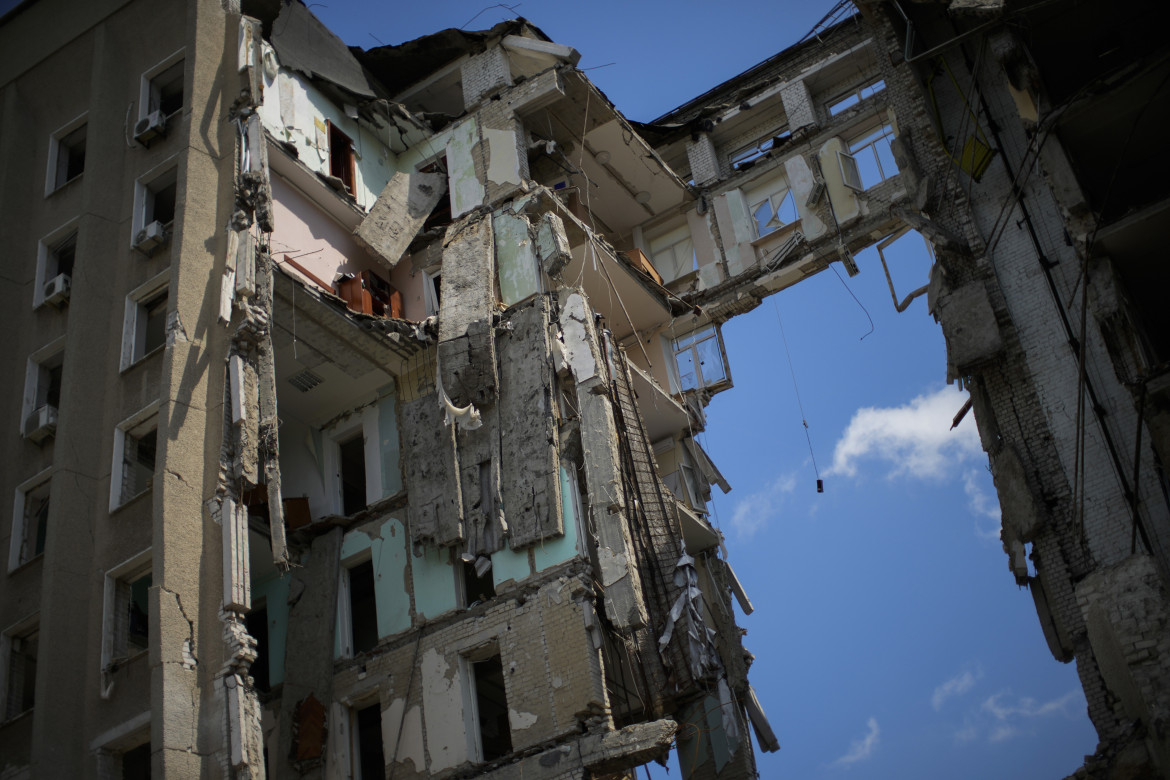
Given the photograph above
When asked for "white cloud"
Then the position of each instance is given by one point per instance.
(861, 748)
(757, 509)
(955, 686)
(983, 505)
(915, 439)
(1005, 719)
(1003, 732)
(968, 733)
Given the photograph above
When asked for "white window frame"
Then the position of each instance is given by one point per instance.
(144, 189)
(19, 630)
(148, 90)
(134, 323)
(431, 289)
(366, 425)
(664, 251)
(866, 142)
(344, 605)
(129, 571)
(20, 530)
(758, 148)
(692, 338)
(471, 718)
(45, 250)
(135, 425)
(355, 744)
(36, 377)
(111, 745)
(52, 183)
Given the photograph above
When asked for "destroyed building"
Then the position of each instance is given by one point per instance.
(357, 430)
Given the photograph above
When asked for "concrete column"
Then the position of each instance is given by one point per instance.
(703, 160)
(798, 106)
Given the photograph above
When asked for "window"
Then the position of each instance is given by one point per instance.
(30, 520)
(126, 621)
(745, 158)
(357, 608)
(162, 88)
(145, 325)
(135, 441)
(19, 665)
(136, 763)
(855, 96)
(432, 287)
(870, 161)
(352, 462)
(124, 750)
(154, 210)
(366, 751)
(42, 391)
(700, 359)
(674, 254)
(55, 255)
(774, 212)
(66, 155)
(477, 585)
(341, 159)
(489, 709)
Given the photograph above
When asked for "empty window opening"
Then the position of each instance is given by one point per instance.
(137, 605)
(477, 587)
(42, 394)
(21, 673)
(432, 288)
(59, 260)
(166, 91)
(136, 763)
(159, 204)
(257, 624)
(154, 324)
(855, 96)
(144, 328)
(352, 455)
(341, 158)
(32, 525)
(495, 735)
(367, 731)
(68, 157)
(363, 609)
(747, 157)
(674, 254)
(700, 359)
(154, 210)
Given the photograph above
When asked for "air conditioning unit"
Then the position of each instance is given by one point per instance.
(150, 237)
(57, 289)
(151, 126)
(41, 424)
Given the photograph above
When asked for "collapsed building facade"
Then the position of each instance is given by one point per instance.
(401, 355)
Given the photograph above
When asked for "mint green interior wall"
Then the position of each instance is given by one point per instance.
(515, 258)
(274, 591)
(509, 565)
(389, 555)
(553, 551)
(388, 437)
(434, 582)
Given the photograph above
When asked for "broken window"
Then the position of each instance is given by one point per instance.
(66, 156)
(700, 359)
(432, 287)
(144, 328)
(870, 161)
(747, 156)
(367, 755)
(352, 464)
(42, 392)
(774, 212)
(674, 254)
(359, 596)
(855, 96)
(20, 671)
(135, 442)
(30, 520)
(341, 158)
(257, 625)
(477, 583)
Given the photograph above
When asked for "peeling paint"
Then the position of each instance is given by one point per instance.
(613, 566)
(503, 156)
(406, 744)
(466, 190)
(446, 743)
(521, 720)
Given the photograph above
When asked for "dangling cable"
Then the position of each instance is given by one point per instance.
(799, 405)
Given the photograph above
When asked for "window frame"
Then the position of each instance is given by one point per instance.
(667, 244)
(145, 192)
(137, 317)
(846, 100)
(19, 535)
(23, 630)
(688, 342)
(867, 139)
(349, 153)
(747, 156)
(345, 622)
(148, 91)
(432, 289)
(53, 181)
(39, 363)
(46, 248)
(141, 422)
(129, 571)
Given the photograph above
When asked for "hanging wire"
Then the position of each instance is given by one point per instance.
(799, 404)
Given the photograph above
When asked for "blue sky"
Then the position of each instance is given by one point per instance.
(891, 640)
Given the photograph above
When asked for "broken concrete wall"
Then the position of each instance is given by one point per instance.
(531, 463)
(399, 213)
(467, 356)
(430, 473)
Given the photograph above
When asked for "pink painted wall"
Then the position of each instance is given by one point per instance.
(326, 248)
